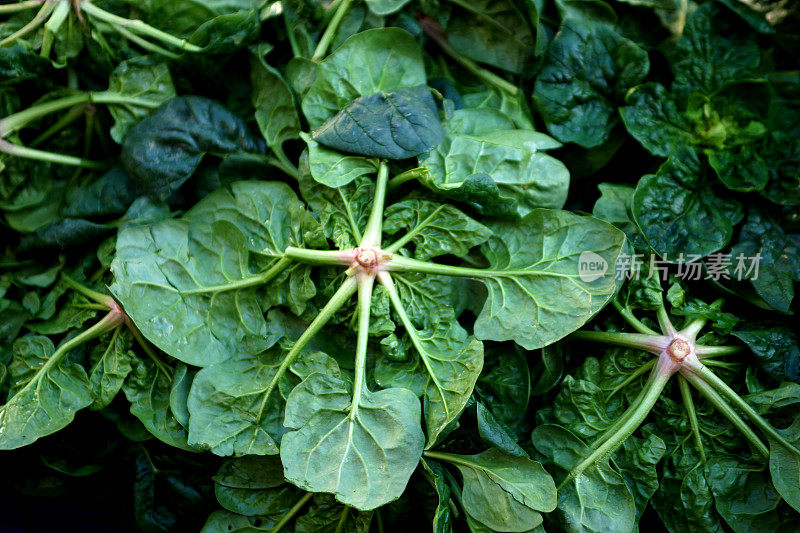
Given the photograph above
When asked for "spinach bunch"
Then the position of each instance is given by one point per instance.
(305, 265)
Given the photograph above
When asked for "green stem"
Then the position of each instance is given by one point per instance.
(50, 157)
(320, 257)
(144, 43)
(282, 162)
(630, 379)
(142, 342)
(649, 343)
(334, 304)
(103, 299)
(484, 75)
(652, 390)
(51, 27)
(408, 175)
(722, 406)
(109, 322)
(7, 9)
(342, 519)
(9, 265)
(664, 322)
(37, 21)
(63, 121)
(17, 121)
(289, 32)
(291, 512)
(365, 284)
(686, 394)
(255, 281)
(713, 351)
(330, 30)
(405, 239)
(372, 232)
(629, 317)
(137, 26)
(14, 122)
(406, 264)
(618, 423)
(705, 374)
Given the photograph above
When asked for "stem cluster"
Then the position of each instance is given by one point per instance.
(676, 352)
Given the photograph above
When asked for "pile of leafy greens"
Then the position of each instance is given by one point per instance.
(305, 265)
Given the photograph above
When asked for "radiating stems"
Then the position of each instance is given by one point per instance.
(386, 281)
(372, 233)
(139, 27)
(330, 30)
(648, 343)
(652, 390)
(727, 411)
(103, 299)
(365, 283)
(334, 304)
(35, 22)
(618, 423)
(705, 374)
(292, 512)
(691, 329)
(634, 322)
(686, 394)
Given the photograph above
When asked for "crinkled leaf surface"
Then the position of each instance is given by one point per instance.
(367, 63)
(395, 124)
(679, 214)
(598, 500)
(493, 32)
(147, 388)
(335, 169)
(164, 149)
(482, 142)
(111, 365)
(141, 79)
(588, 70)
(436, 229)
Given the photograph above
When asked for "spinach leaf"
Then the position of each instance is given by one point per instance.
(395, 125)
(164, 149)
(588, 70)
